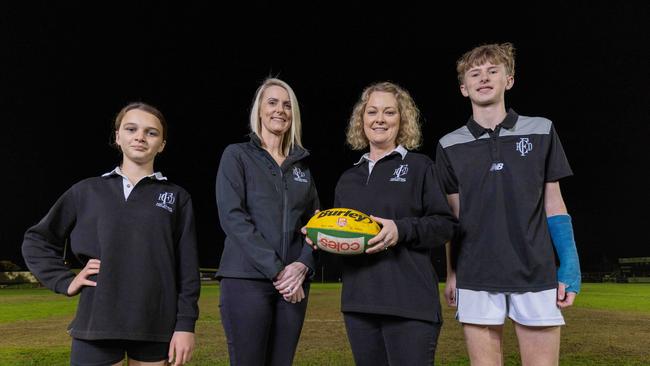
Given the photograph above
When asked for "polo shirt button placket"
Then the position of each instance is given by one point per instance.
(494, 150)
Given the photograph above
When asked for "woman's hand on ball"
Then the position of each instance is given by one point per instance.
(386, 238)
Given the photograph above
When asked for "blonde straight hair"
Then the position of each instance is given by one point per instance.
(293, 135)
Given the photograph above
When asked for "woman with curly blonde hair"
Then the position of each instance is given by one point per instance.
(409, 134)
(390, 296)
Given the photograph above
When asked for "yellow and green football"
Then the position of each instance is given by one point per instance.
(342, 230)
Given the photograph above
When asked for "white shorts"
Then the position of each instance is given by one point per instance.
(526, 308)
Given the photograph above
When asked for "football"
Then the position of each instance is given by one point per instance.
(342, 230)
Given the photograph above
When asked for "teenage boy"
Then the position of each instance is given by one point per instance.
(500, 172)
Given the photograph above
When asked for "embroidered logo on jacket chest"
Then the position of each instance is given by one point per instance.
(399, 173)
(299, 175)
(166, 201)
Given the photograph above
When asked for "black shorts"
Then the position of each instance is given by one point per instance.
(110, 351)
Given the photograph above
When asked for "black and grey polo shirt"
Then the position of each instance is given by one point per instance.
(503, 243)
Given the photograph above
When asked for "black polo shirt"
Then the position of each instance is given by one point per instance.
(503, 243)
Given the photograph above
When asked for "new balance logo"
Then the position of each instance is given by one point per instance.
(496, 167)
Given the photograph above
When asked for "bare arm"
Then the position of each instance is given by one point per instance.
(450, 283)
(553, 201)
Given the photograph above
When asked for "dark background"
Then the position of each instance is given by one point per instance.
(66, 69)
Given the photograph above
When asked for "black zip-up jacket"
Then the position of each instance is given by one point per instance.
(400, 281)
(262, 207)
(148, 284)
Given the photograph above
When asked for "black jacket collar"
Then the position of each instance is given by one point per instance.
(296, 153)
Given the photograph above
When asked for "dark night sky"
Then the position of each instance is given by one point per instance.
(66, 69)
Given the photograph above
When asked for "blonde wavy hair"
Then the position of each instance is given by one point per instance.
(409, 134)
(293, 135)
(496, 54)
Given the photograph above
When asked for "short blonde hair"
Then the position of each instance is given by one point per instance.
(495, 53)
(293, 135)
(409, 134)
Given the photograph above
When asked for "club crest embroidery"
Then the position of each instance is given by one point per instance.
(166, 200)
(524, 146)
(299, 175)
(399, 173)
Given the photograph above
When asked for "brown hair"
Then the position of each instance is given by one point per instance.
(495, 53)
(143, 107)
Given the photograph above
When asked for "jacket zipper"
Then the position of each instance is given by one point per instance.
(285, 192)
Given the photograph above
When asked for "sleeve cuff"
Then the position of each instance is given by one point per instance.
(63, 284)
(401, 231)
(185, 325)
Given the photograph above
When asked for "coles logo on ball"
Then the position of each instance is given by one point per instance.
(340, 245)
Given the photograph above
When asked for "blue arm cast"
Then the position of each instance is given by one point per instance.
(562, 234)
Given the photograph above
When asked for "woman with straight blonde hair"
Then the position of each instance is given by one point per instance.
(265, 193)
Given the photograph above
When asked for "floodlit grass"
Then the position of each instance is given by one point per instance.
(615, 296)
(609, 325)
(31, 304)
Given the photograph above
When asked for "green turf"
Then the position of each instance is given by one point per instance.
(615, 296)
(27, 356)
(609, 325)
(31, 304)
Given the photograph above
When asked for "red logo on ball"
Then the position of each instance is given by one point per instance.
(337, 245)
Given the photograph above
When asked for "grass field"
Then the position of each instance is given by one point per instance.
(609, 325)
